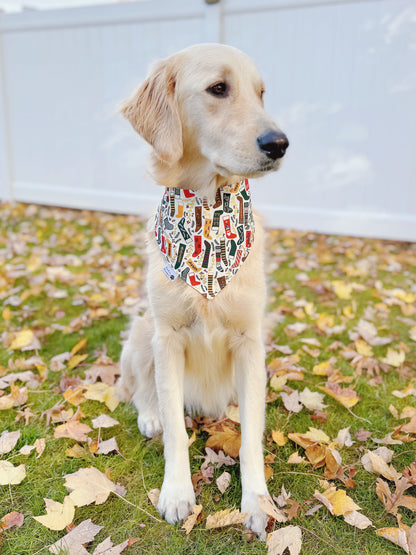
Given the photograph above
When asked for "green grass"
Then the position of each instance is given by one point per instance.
(104, 252)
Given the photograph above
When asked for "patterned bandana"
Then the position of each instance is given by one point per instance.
(205, 243)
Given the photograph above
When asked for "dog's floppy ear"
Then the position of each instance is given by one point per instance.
(153, 112)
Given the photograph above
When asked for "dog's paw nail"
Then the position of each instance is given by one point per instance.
(175, 504)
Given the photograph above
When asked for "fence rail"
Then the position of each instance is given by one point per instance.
(341, 81)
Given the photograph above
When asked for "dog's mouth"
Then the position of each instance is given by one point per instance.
(251, 172)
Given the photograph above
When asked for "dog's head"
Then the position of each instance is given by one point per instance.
(206, 102)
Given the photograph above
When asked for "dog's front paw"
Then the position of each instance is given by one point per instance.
(149, 424)
(176, 501)
(257, 518)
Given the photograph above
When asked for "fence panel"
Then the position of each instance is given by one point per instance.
(341, 81)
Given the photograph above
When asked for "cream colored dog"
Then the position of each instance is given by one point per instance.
(202, 111)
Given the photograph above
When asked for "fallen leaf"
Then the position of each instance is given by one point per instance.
(373, 462)
(312, 400)
(192, 519)
(8, 441)
(233, 413)
(392, 501)
(107, 547)
(228, 440)
(11, 519)
(73, 429)
(25, 340)
(266, 503)
(74, 541)
(88, 485)
(295, 458)
(357, 520)
(76, 451)
(10, 474)
(341, 503)
(104, 421)
(104, 393)
(223, 481)
(289, 537)
(344, 438)
(153, 496)
(107, 446)
(279, 438)
(346, 396)
(58, 515)
(226, 517)
(394, 358)
(291, 401)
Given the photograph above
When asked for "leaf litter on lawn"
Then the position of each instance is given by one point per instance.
(341, 364)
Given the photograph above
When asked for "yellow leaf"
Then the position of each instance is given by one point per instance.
(80, 345)
(75, 396)
(279, 438)
(379, 466)
(342, 504)
(277, 382)
(76, 451)
(72, 429)
(346, 396)
(227, 440)
(322, 369)
(104, 393)
(268, 472)
(75, 360)
(408, 298)
(342, 289)
(325, 321)
(394, 358)
(225, 518)
(6, 314)
(25, 340)
(363, 348)
(191, 520)
(6, 402)
(58, 515)
(10, 474)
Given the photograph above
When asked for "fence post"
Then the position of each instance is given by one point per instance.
(213, 25)
(4, 111)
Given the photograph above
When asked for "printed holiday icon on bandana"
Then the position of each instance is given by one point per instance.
(205, 243)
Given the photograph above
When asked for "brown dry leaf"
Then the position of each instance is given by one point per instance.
(58, 515)
(8, 441)
(391, 501)
(289, 537)
(88, 485)
(309, 438)
(11, 519)
(73, 429)
(106, 372)
(228, 440)
(346, 396)
(316, 454)
(10, 474)
(192, 519)
(266, 503)
(404, 537)
(373, 462)
(74, 541)
(75, 396)
(225, 518)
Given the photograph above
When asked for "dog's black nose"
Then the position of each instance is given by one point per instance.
(273, 144)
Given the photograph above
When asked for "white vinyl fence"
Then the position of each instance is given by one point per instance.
(341, 82)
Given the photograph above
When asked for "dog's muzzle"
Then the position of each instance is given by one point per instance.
(273, 144)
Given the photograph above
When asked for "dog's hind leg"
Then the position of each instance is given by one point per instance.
(137, 380)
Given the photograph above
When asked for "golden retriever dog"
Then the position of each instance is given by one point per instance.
(198, 348)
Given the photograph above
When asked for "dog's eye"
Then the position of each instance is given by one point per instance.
(219, 89)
